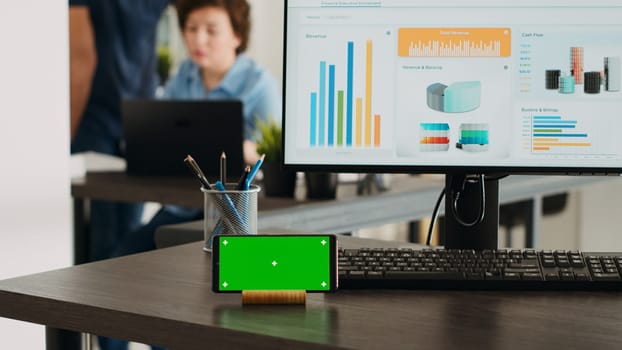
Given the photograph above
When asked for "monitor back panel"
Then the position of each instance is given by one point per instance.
(159, 134)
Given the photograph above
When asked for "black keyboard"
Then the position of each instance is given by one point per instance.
(529, 269)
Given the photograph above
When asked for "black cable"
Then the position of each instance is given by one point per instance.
(482, 207)
(434, 213)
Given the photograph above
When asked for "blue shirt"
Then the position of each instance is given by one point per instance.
(245, 81)
(125, 38)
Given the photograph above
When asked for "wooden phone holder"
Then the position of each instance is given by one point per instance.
(286, 297)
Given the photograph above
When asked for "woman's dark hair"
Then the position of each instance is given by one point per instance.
(238, 11)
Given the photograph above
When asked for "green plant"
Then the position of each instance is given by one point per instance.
(269, 140)
(165, 61)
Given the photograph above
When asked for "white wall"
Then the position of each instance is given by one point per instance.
(35, 215)
(266, 41)
(600, 212)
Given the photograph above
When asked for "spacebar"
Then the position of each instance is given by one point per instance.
(424, 275)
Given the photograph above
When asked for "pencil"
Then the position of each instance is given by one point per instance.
(223, 168)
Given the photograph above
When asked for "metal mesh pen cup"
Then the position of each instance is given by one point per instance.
(229, 212)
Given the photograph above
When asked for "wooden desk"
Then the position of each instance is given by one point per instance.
(164, 297)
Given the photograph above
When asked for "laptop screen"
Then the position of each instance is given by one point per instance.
(159, 134)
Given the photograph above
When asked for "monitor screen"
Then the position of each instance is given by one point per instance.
(436, 86)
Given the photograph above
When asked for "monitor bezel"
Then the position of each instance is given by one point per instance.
(419, 169)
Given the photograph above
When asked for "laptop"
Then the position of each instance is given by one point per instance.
(159, 134)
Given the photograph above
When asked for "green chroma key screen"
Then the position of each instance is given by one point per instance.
(274, 262)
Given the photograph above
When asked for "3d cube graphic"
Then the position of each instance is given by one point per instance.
(473, 137)
(566, 84)
(459, 97)
(434, 137)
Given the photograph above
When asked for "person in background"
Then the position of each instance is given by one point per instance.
(112, 57)
(216, 34)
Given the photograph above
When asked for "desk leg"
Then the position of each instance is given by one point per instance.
(87, 341)
(60, 339)
(413, 231)
(533, 217)
(535, 222)
(80, 232)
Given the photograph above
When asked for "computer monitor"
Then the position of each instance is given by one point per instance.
(472, 89)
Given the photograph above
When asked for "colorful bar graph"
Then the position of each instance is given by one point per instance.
(337, 116)
(454, 42)
(349, 90)
(359, 120)
(559, 135)
(377, 130)
(313, 125)
(368, 57)
(340, 118)
(552, 132)
(331, 104)
(322, 102)
(551, 125)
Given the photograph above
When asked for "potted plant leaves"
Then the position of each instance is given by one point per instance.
(277, 182)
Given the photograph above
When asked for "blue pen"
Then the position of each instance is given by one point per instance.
(239, 223)
(253, 172)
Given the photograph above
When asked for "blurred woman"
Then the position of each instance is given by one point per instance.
(216, 34)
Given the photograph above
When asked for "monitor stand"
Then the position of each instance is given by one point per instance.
(483, 235)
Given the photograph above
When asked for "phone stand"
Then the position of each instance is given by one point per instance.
(288, 297)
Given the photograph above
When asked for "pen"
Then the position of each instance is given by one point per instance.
(242, 181)
(223, 167)
(238, 222)
(194, 167)
(253, 172)
(240, 187)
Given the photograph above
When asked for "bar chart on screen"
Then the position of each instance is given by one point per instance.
(564, 132)
(554, 132)
(454, 42)
(346, 93)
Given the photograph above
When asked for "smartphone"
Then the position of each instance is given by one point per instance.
(274, 262)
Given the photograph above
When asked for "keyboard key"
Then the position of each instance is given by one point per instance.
(356, 274)
(530, 276)
(546, 262)
(527, 263)
(374, 274)
(511, 276)
(606, 277)
(577, 263)
(492, 276)
(474, 276)
(567, 276)
(523, 270)
(418, 275)
(551, 277)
